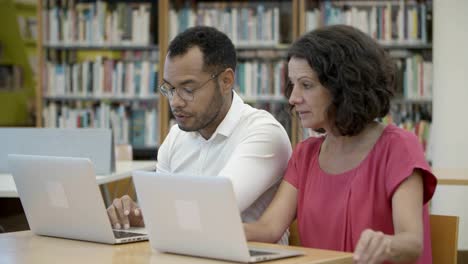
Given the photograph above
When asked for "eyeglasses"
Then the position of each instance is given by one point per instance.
(185, 93)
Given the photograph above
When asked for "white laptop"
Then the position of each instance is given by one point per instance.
(61, 198)
(196, 216)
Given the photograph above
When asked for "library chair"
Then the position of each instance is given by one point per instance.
(444, 239)
(294, 235)
(123, 152)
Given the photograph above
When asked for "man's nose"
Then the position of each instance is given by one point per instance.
(176, 101)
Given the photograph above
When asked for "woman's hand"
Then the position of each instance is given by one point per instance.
(373, 247)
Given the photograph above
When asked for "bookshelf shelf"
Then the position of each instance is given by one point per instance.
(282, 47)
(70, 98)
(25, 5)
(265, 98)
(411, 101)
(367, 3)
(30, 42)
(406, 46)
(100, 47)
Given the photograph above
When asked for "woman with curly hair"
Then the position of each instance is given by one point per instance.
(364, 186)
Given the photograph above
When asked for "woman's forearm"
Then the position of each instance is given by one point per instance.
(261, 232)
(405, 248)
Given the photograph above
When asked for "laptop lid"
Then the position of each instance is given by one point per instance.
(61, 198)
(195, 216)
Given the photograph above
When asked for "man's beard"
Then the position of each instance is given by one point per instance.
(209, 116)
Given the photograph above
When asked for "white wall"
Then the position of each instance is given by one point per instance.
(450, 108)
(450, 90)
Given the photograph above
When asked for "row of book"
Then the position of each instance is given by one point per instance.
(417, 75)
(98, 23)
(250, 23)
(139, 78)
(101, 77)
(390, 22)
(130, 125)
(254, 78)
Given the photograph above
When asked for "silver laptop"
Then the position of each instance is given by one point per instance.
(196, 216)
(61, 198)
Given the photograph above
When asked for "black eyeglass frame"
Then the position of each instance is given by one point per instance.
(186, 95)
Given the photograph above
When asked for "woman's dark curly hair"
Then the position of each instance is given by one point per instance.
(358, 73)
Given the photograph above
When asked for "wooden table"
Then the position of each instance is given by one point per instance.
(25, 247)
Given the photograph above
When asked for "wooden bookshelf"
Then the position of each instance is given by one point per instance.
(248, 51)
(94, 49)
(101, 47)
(149, 98)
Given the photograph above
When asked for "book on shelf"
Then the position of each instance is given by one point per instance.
(143, 127)
(28, 27)
(11, 77)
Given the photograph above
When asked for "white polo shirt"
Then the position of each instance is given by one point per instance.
(250, 147)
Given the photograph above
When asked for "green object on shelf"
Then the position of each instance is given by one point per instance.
(15, 106)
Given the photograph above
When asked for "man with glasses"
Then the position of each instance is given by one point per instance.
(216, 133)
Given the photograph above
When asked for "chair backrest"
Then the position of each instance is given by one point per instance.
(116, 189)
(444, 238)
(123, 152)
(294, 235)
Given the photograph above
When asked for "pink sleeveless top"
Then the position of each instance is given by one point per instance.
(333, 210)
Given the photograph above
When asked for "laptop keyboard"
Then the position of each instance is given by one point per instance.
(125, 234)
(254, 253)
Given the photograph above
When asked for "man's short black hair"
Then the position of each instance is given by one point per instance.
(218, 51)
(358, 73)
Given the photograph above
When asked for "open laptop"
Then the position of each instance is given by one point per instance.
(196, 216)
(61, 198)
